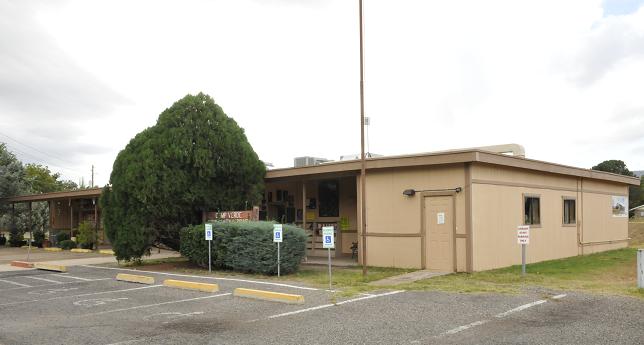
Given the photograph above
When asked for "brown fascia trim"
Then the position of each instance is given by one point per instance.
(92, 192)
(449, 157)
(531, 164)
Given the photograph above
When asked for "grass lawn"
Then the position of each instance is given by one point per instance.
(612, 272)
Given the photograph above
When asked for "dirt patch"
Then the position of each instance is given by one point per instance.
(636, 233)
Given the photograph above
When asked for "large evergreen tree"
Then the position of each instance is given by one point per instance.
(195, 158)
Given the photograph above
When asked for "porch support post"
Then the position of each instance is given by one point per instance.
(71, 218)
(95, 223)
(304, 215)
(31, 225)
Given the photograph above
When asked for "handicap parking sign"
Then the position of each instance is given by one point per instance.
(208, 232)
(277, 232)
(327, 236)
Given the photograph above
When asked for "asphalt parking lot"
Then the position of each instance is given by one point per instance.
(87, 305)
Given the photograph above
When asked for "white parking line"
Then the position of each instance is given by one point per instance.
(14, 283)
(521, 307)
(211, 278)
(158, 304)
(462, 328)
(44, 279)
(72, 277)
(323, 306)
(25, 286)
(81, 295)
(500, 315)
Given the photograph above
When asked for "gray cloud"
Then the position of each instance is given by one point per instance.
(38, 77)
(610, 43)
(45, 97)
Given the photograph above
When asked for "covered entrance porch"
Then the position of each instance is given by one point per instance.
(313, 202)
(66, 211)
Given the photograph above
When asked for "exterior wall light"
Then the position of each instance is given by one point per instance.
(409, 192)
(412, 192)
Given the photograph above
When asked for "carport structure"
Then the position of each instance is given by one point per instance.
(66, 209)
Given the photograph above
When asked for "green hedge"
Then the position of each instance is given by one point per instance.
(245, 247)
(67, 244)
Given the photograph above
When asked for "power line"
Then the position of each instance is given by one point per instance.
(39, 160)
(33, 148)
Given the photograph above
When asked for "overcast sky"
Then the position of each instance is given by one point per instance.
(78, 79)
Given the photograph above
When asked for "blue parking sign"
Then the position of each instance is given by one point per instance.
(208, 232)
(328, 237)
(277, 232)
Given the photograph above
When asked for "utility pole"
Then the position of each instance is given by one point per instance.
(363, 208)
(92, 186)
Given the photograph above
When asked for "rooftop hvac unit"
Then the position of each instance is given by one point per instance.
(306, 161)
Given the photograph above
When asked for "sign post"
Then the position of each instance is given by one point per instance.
(640, 268)
(277, 238)
(209, 239)
(523, 238)
(328, 243)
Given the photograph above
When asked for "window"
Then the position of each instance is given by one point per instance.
(569, 211)
(329, 195)
(531, 210)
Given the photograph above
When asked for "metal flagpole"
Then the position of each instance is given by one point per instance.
(363, 209)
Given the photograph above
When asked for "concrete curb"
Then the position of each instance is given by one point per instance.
(53, 249)
(269, 296)
(79, 250)
(182, 284)
(50, 267)
(106, 251)
(132, 278)
(23, 264)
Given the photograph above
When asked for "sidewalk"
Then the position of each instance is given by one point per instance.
(407, 278)
(92, 260)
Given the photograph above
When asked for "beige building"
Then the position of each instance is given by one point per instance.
(453, 211)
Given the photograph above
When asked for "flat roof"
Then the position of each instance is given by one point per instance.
(75, 194)
(448, 157)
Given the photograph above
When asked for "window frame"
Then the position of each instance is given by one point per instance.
(530, 195)
(563, 210)
(319, 197)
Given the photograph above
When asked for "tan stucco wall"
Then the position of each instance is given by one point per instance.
(391, 212)
(497, 210)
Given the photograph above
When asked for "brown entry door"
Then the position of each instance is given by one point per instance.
(439, 230)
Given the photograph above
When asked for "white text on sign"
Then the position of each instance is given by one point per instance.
(523, 234)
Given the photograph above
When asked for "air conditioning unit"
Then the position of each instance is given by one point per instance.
(307, 161)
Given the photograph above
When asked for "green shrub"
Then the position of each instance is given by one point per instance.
(245, 247)
(62, 236)
(39, 238)
(16, 237)
(67, 244)
(85, 236)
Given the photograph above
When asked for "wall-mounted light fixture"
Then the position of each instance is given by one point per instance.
(412, 192)
(409, 192)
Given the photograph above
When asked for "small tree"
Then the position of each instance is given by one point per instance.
(16, 237)
(85, 236)
(195, 158)
(635, 193)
